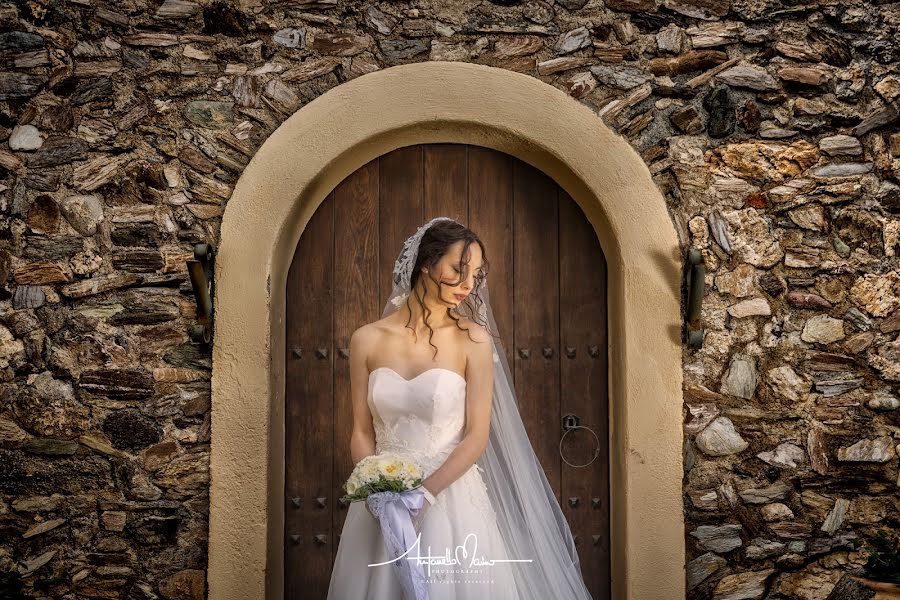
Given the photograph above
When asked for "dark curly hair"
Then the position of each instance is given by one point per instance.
(435, 243)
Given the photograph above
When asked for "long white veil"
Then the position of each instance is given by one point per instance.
(529, 516)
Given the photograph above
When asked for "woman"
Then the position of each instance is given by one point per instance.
(430, 381)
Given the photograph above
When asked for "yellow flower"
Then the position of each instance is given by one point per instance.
(352, 486)
(389, 468)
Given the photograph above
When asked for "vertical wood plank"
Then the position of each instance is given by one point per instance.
(584, 385)
(536, 306)
(400, 208)
(309, 399)
(444, 176)
(355, 303)
(490, 216)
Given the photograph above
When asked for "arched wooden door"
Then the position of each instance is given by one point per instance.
(548, 292)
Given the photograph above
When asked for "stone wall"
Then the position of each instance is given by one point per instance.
(769, 126)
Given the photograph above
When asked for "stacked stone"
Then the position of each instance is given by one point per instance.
(770, 127)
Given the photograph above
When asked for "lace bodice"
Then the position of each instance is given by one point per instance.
(423, 419)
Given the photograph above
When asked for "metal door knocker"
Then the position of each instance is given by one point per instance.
(569, 423)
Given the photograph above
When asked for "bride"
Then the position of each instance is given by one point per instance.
(429, 381)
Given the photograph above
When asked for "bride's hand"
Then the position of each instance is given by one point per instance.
(419, 518)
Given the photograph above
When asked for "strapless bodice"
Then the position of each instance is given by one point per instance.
(422, 419)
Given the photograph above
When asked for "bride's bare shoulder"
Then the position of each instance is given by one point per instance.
(366, 331)
(476, 331)
(369, 333)
(377, 327)
(363, 339)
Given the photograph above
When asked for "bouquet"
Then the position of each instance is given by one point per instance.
(382, 473)
(392, 488)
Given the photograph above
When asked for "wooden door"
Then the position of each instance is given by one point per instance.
(548, 292)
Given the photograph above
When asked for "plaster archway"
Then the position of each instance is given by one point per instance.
(455, 102)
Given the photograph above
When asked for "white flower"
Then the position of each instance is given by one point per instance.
(389, 467)
(369, 472)
(352, 486)
(496, 357)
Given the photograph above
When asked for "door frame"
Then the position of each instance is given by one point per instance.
(446, 102)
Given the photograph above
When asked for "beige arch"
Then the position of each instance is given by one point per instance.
(456, 102)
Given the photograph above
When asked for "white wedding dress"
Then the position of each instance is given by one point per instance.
(423, 419)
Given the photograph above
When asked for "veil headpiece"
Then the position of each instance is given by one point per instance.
(530, 519)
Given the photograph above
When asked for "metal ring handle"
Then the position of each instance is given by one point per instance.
(596, 452)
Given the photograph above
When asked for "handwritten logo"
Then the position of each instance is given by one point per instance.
(446, 558)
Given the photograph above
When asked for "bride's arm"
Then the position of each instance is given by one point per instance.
(479, 394)
(362, 439)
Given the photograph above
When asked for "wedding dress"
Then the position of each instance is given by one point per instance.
(423, 419)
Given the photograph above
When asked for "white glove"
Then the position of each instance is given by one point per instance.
(419, 517)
